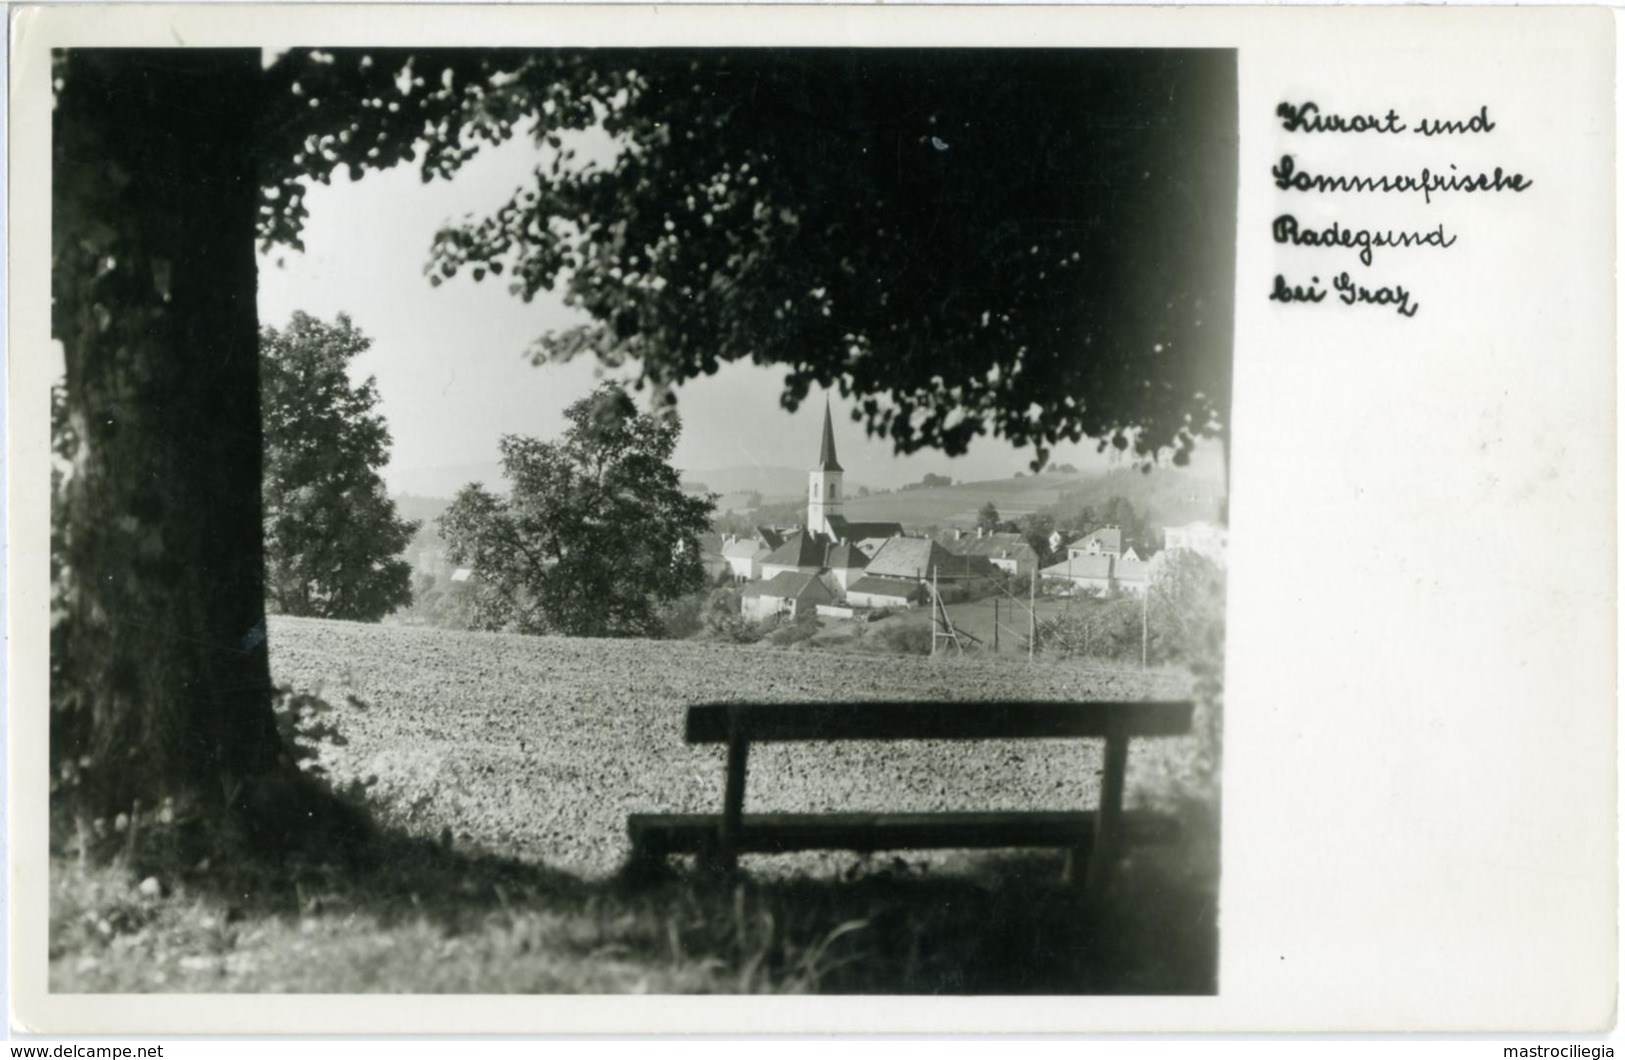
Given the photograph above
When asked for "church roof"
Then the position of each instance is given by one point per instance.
(845, 530)
(826, 451)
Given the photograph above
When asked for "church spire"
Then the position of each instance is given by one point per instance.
(826, 451)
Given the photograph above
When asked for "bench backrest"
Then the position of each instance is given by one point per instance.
(782, 722)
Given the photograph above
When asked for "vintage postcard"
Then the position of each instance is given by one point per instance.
(547, 519)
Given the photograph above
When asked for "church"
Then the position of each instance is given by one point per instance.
(866, 564)
(825, 500)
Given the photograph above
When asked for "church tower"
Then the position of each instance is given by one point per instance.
(824, 482)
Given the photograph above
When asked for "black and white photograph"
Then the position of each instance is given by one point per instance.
(684, 522)
(639, 520)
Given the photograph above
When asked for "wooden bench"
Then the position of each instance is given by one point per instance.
(1091, 837)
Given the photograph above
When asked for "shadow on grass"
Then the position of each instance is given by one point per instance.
(404, 913)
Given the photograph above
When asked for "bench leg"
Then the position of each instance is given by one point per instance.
(1075, 866)
(724, 858)
(1108, 819)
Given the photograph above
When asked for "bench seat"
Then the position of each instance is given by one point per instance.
(656, 835)
(1093, 837)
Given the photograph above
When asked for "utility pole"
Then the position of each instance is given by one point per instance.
(1032, 616)
(936, 602)
(1145, 608)
(995, 625)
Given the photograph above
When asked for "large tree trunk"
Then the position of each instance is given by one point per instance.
(160, 678)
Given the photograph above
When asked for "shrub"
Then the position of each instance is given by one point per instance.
(907, 639)
(681, 617)
(805, 627)
(723, 621)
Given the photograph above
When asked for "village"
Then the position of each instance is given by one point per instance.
(839, 568)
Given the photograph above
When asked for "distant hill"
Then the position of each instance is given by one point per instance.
(773, 483)
(1170, 496)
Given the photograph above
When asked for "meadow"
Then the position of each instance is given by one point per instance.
(500, 770)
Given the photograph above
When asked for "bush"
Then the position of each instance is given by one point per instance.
(804, 628)
(906, 639)
(681, 617)
(723, 621)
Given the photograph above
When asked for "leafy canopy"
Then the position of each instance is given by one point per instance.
(1030, 243)
(333, 539)
(595, 534)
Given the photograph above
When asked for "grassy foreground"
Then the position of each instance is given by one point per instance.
(424, 919)
(499, 772)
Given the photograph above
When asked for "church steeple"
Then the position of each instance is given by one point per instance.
(826, 452)
(824, 483)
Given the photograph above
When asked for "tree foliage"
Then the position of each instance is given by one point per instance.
(987, 517)
(1030, 243)
(596, 533)
(1034, 244)
(333, 539)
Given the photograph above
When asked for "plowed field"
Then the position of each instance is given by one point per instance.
(540, 746)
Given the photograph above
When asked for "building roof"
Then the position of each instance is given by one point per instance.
(1109, 538)
(845, 556)
(845, 530)
(790, 585)
(1097, 566)
(918, 557)
(769, 536)
(883, 587)
(804, 548)
(1012, 546)
(826, 450)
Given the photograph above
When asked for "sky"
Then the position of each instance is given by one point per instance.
(450, 364)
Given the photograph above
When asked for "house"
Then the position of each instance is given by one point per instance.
(1010, 553)
(790, 593)
(711, 557)
(845, 563)
(1104, 571)
(1107, 540)
(885, 592)
(920, 559)
(1134, 575)
(803, 552)
(744, 555)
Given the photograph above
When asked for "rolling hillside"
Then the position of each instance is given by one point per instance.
(1171, 496)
